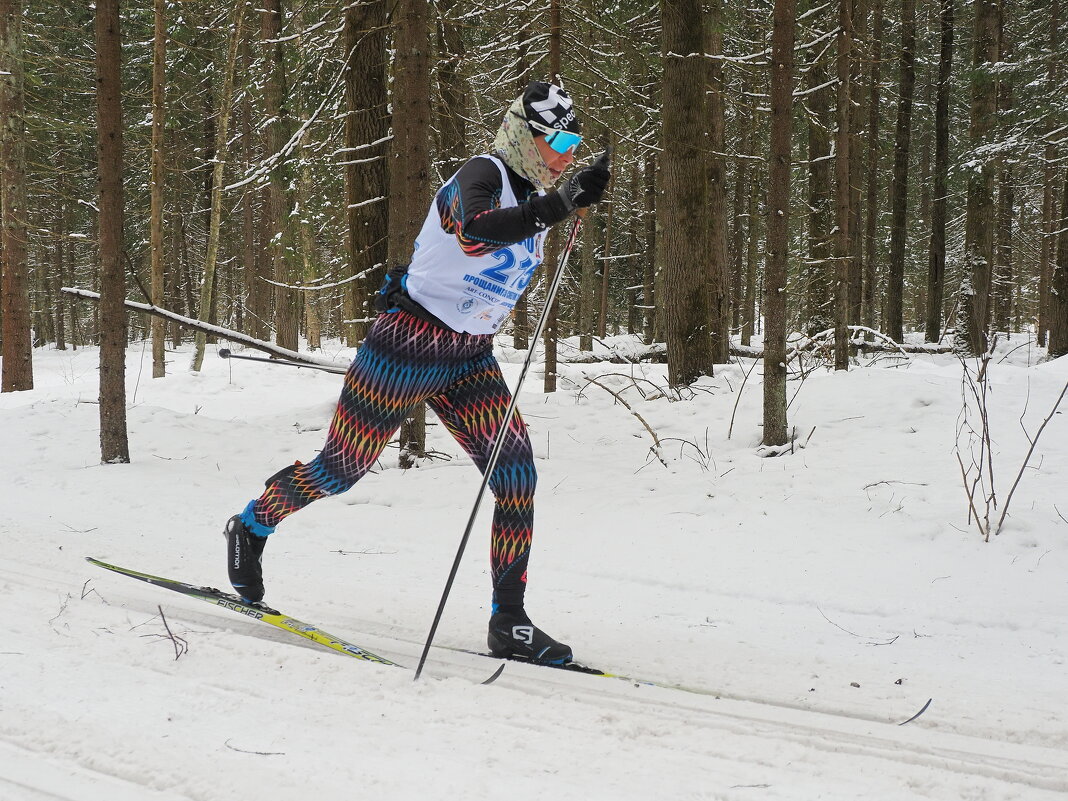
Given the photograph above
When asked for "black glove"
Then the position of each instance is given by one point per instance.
(587, 186)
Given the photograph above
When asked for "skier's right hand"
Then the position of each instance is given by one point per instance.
(587, 186)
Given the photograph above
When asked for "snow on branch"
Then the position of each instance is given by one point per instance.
(320, 286)
(268, 165)
(207, 328)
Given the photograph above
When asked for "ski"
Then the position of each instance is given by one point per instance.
(260, 611)
(257, 611)
(573, 667)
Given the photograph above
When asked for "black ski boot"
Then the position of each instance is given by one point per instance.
(244, 551)
(513, 636)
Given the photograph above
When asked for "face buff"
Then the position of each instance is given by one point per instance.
(514, 144)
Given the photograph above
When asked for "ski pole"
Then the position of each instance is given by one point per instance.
(498, 441)
(226, 353)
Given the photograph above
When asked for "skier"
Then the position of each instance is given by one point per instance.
(433, 343)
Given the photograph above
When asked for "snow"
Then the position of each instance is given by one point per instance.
(809, 602)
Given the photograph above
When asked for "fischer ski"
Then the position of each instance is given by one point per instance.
(257, 611)
(260, 611)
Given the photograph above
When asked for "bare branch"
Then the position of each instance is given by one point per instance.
(655, 449)
(1027, 458)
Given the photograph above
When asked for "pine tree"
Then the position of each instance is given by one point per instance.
(156, 185)
(843, 191)
(114, 445)
(17, 349)
(899, 191)
(936, 259)
(784, 27)
(409, 170)
(980, 218)
(682, 244)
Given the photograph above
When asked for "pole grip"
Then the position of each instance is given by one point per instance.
(604, 161)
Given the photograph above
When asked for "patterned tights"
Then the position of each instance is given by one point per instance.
(404, 362)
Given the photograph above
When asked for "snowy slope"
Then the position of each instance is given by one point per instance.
(810, 602)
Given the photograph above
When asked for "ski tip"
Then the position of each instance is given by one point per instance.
(496, 675)
(224, 353)
(922, 710)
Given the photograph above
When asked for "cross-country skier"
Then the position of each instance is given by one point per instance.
(433, 343)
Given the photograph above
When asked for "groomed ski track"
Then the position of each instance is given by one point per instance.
(768, 749)
(819, 598)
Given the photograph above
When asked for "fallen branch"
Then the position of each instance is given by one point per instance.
(891, 641)
(181, 645)
(657, 351)
(207, 328)
(226, 353)
(656, 440)
(257, 753)
(738, 395)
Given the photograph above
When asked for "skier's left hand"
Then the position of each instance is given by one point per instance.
(588, 185)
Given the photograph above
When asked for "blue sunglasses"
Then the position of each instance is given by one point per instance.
(559, 141)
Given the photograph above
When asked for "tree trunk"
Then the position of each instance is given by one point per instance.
(718, 267)
(187, 267)
(649, 272)
(609, 207)
(114, 444)
(208, 96)
(409, 169)
(936, 260)
(222, 130)
(899, 190)
(309, 260)
(257, 303)
(552, 248)
(859, 98)
(750, 316)
(682, 246)
(366, 175)
(843, 191)
(1049, 180)
(521, 312)
(43, 321)
(156, 182)
(17, 347)
(924, 134)
(1058, 303)
(784, 27)
(452, 94)
(739, 216)
(818, 268)
(59, 258)
(979, 212)
(871, 183)
(634, 265)
(1003, 283)
(286, 301)
(587, 280)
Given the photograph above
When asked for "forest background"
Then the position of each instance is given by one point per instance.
(780, 168)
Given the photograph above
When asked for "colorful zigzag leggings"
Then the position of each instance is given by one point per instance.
(404, 362)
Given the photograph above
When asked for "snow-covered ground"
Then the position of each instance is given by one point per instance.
(810, 602)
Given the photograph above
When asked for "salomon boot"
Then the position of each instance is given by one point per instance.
(244, 551)
(513, 636)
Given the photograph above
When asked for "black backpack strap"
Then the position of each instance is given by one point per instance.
(392, 286)
(394, 297)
